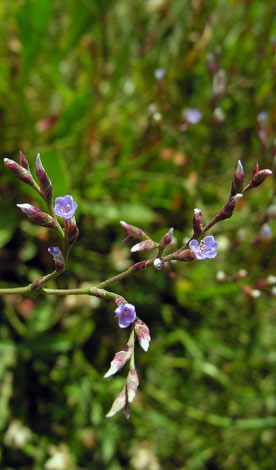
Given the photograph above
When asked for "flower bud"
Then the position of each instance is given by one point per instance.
(71, 231)
(23, 161)
(119, 360)
(118, 404)
(20, 172)
(238, 180)
(228, 209)
(132, 384)
(259, 177)
(166, 239)
(133, 232)
(256, 168)
(185, 255)
(58, 258)
(251, 293)
(44, 181)
(197, 223)
(146, 245)
(143, 334)
(37, 216)
(159, 264)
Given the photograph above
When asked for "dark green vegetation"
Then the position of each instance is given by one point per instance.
(76, 83)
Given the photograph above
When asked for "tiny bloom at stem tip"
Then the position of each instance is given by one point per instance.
(126, 314)
(192, 116)
(207, 248)
(65, 207)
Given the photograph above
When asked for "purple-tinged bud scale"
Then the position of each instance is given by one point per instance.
(119, 403)
(119, 360)
(23, 161)
(37, 216)
(44, 181)
(20, 172)
(167, 238)
(132, 384)
(133, 232)
(197, 223)
(146, 245)
(238, 180)
(143, 334)
(259, 177)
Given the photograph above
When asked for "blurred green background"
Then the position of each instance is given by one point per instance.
(78, 85)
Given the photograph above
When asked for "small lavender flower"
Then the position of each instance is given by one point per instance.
(126, 315)
(159, 73)
(262, 116)
(65, 207)
(207, 248)
(266, 232)
(192, 116)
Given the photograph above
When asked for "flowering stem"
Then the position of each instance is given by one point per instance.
(97, 291)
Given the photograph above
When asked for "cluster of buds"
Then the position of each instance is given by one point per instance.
(198, 247)
(64, 207)
(125, 355)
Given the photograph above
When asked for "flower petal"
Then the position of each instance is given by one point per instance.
(209, 241)
(193, 244)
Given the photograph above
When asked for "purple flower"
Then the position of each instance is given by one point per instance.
(207, 248)
(262, 117)
(65, 207)
(126, 315)
(192, 116)
(160, 73)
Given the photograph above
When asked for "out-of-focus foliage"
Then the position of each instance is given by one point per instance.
(77, 84)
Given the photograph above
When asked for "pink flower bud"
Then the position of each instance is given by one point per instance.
(133, 232)
(119, 360)
(71, 231)
(23, 161)
(256, 168)
(259, 177)
(185, 255)
(238, 180)
(197, 223)
(166, 239)
(118, 404)
(146, 245)
(229, 207)
(143, 334)
(37, 216)
(132, 384)
(44, 181)
(20, 172)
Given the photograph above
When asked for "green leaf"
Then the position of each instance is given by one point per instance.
(32, 18)
(7, 224)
